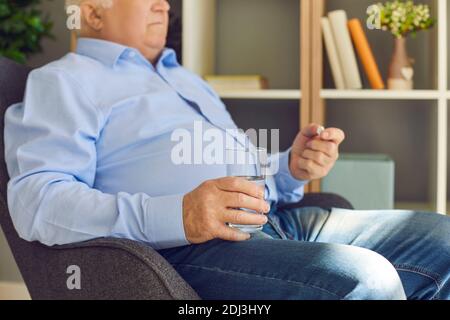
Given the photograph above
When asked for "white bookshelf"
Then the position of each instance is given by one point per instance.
(379, 95)
(438, 99)
(200, 55)
(262, 94)
(442, 113)
(331, 94)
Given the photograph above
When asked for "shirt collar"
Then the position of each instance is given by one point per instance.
(169, 58)
(104, 51)
(109, 52)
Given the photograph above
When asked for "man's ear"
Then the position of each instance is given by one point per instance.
(92, 15)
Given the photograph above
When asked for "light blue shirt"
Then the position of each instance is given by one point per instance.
(89, 149)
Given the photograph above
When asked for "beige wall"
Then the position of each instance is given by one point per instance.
(8, 267)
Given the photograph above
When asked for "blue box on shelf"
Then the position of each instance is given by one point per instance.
(366, 180)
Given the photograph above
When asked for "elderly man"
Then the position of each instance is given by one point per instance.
(89, 155)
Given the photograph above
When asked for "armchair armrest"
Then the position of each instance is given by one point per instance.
(322, 200)
(110, 269)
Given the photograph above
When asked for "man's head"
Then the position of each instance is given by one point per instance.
(140, 24)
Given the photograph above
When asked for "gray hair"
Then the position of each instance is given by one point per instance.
(104, 3)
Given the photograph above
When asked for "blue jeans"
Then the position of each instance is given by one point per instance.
(313, 253)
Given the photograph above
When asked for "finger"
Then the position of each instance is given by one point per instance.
(318, 157)
(305, 175)
(333, 134)
(231, 234)
(311, 167)
(241, 185)
(241, 200)
(312, 130)
(242, 217)
(329, 148)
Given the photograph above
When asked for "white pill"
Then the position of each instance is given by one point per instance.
(320, 130)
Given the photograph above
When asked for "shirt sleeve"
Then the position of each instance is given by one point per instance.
(50, 150)
(282, 187)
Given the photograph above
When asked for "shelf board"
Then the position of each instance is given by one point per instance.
(261, 94)
(380, 94)
(332, 94)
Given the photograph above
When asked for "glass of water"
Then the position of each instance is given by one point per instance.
(250, 164)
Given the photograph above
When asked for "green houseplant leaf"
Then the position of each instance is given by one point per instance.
(22, 28)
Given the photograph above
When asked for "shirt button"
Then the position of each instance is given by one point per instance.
(132, 54)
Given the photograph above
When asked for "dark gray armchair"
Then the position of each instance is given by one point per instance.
(111, 268)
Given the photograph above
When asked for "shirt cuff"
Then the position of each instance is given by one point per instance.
(166, 227)
(290, 190)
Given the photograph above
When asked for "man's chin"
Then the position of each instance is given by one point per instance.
(156, 45)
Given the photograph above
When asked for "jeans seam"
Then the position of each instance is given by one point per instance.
(323, 225)
(277, 229)
(423, 272)
(287, 235)
(298, 283)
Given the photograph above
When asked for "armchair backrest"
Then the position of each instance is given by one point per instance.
(12, 87)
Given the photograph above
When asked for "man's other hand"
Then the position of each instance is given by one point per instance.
(313, 156)
(208, 209)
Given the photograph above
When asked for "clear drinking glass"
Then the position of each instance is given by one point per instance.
(250, 164)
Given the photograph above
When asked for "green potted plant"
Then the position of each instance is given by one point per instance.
(22, 27)
(401, 18)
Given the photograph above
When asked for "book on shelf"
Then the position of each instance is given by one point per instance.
(347, 58)
(228, 83)
(365, 54)
(333, 58)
